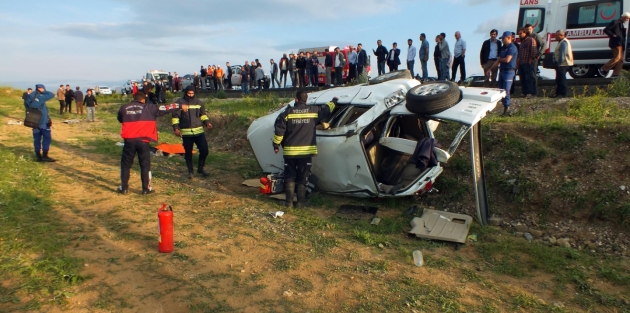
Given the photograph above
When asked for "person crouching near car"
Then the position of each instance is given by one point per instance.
(507, 66)
(190, 126)
(295, 132)
(139, 128)
(42, 135)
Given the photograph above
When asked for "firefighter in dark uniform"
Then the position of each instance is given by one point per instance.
(190, 126)
(295, 131)
(139, 127)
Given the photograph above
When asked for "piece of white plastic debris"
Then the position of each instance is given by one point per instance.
(14, 122)
(376, 221)
(276, 214)
(120, 144)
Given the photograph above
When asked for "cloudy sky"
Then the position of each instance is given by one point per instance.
(107, 42)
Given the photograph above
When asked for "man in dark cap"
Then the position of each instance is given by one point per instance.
(42, 135)
(190, 126)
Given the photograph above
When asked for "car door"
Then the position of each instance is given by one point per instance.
(236, 75)
(474, 106)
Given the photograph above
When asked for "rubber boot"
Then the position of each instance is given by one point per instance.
(38, 156)
(45, 157)
(289, 190)
(506, 111)
(301, 196)
(191, 173)
(202, 172)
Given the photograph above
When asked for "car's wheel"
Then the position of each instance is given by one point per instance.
(391, 76)
(433, 97)
(583, 71)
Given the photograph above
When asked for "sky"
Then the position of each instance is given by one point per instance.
(107, 42)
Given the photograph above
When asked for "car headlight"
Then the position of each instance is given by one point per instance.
(395, 98)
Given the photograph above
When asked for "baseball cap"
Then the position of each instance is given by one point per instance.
(506, 34)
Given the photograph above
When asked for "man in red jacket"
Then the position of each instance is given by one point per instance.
(138, 129)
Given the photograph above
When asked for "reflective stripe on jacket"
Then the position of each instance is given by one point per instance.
(295, 128)
(191, 122)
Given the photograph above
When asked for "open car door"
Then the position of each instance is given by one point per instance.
(474, 106)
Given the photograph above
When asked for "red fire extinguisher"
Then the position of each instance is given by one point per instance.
(165, 228)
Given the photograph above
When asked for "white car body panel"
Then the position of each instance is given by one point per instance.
(341, 165)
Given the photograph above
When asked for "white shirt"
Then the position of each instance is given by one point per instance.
(411, 53)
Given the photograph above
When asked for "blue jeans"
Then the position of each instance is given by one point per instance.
(444, 69)
(381, 68)
(38, 134)
(410, 65)
(425, 70)
(526, 72)
(308, 77)
(506, 79)
(245, 88)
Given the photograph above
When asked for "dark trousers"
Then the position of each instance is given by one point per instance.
(315, 76)
(274, 80)
(561, 81)
(283, 74)
(301, 77)
(229, 83)
(352, 73)
(62, 105)
(202, 146)
(457, 62)
(535, 76)
(410, 65)
(68, 106)
(296, 170)
(339, 75)
(438, 67)
(130, 149)
(526, 72)
(392, 67)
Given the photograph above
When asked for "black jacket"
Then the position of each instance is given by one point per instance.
(381, 53)
(69, 95)
(197, 82)
(437, 54)
(204, 72)
(615, 28)
(328, 62)
(424, 155)
(396, 60)
(485, 51)
(191, 122)
(295, 128)
(229, 71)
(274, 68)
(90, 101)
(300, 63)
(362, 58)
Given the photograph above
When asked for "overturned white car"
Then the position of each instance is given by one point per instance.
(366, 146)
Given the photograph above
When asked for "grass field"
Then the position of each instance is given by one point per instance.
(68, 242)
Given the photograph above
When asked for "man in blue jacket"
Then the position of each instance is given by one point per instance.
(42, 136)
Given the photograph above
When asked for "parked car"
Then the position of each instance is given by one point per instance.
(368, 141)
(154, 75)
(102, 90)
(127, 87)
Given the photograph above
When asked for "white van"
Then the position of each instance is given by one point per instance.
(583, 21)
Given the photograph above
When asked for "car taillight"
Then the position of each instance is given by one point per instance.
(428, 186)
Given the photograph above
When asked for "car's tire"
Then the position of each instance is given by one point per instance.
(433, 97)
(391, 76)
(583, 71)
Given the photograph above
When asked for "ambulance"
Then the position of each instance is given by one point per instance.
(583, 22)
(321, 55)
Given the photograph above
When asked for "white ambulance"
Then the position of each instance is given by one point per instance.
(583, 21)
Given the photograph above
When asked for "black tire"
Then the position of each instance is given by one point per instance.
(391, 76)
(582, 71)
(433, 97)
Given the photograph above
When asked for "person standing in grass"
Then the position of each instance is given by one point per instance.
(42, 135)
(61, 95)
(69, 98)
(25, 95)
(79, 96)
(90, 104)
(190, 126)
(245, 79)
(139, 128)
